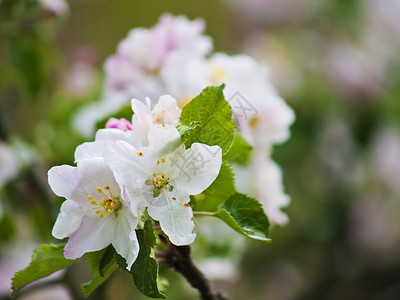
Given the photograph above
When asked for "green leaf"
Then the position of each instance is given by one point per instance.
(246, 216)
(145, 269)
(109, 256)
(240, 150)
(218, 192)
(98, 272)
(213, 116)
(46, 259)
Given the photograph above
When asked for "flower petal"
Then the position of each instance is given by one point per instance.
(124, 239)
(175, 218)
(196, 168)
(96, 148)
(68, 220)
(63, 180)
(94, 234)
(141, 120)
(164, 139)
(131, 169)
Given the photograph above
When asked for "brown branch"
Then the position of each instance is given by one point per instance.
(179, 258)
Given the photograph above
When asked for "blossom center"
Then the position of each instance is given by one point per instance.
(110, 203)
(160, 182)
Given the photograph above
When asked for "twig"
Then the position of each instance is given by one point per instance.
(178, 258)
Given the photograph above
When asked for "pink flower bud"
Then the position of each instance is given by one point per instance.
(122, 124)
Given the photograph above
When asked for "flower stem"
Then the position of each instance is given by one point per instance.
(179, 258)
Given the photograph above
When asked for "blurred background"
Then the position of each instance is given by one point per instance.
(335, 62)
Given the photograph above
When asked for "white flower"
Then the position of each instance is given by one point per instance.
(263, 180)
(97, 210)
(165, 112)
(162, 175)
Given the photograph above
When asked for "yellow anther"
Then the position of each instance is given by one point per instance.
(105, 200)
(101, 215)
(94, 202)
(112, 204)
(139, 153)
(98, 211)
(90, 197)
(158, 162)
(99, 189)
(162, 159)
(106, 187)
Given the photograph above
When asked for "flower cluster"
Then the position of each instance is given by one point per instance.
(131, 169)
(174, 57)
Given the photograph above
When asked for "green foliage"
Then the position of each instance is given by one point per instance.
(101, 264)
(240, 150)
(246, 216)
(7, 226)
(213, 116)
(219, 191)
(145, 268)
(46, 259)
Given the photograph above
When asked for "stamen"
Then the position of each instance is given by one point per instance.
(102, 215)
(162, 159)
(99, 189)
(106, 187)
(139, 153)
(94, 202)
(158, 162)
(98, 211)
(90, 197)
(173, 198)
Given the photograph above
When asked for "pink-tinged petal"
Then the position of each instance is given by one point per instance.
(68, 220)
(122, 124)
(175, 217)
(63, 180)
(196, 168)
(93, 234)
(125, 240)
(164, 139)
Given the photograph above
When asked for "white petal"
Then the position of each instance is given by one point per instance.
(196, 168)
(93, 234)
(63, 180)
(95, 149)
(124, 239)
(89, 150)
(68, 220)
(164, 139)
(175, 219)
(130, 169)
(141, 120)
(93, 173)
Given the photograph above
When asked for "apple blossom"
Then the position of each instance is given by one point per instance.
(162, 175)
(97, 210)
